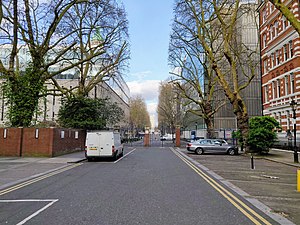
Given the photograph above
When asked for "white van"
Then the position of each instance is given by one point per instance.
(103, 144)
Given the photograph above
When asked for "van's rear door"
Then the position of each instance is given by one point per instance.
(93, 144)
(106, 143)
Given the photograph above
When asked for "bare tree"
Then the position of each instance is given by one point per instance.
(102, 35)
(192, 72)
(139, 116)
(233, 62)
(168, 107)
(287, 11)
(46, 39)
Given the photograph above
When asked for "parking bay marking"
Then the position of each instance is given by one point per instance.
(241, 206)
(51, 202)
(31, 181)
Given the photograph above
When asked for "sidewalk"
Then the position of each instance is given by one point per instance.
(272, 182)
(282, 156)
(14, 170)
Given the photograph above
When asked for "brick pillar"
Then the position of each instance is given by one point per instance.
(177, 136)
(147, 140)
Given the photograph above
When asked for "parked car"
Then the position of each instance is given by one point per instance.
(211, 145)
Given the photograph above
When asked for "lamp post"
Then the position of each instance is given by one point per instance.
(294, 107)
(196, 124)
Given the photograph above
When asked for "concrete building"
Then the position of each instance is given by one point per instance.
(280, 63)
(247, 34)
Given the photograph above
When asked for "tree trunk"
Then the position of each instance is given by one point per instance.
(209, 127)
(242, 122)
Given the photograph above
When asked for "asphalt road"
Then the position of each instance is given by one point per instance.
(148, 186)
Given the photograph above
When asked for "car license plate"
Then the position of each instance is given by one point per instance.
(93, 148)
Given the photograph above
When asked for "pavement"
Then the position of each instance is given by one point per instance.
(14, 170)
(273, 181)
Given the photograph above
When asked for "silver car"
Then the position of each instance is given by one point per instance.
(211, 145)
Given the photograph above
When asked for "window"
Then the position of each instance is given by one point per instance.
(284, 21)
(278, 89)
(53, 98)
(276, 29)
(266, 93)
(264, 15)
(285, 52)
(291, 48)
(265, 66)
(277, 57)
(95, 92)
(274, 89)
(286, 85)
(273, 60)
(264, 40)
(292, 82)
(271, 32)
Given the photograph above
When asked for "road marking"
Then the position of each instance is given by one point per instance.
(52, 201)
(125, 155)
(246, 210)
(31, 181)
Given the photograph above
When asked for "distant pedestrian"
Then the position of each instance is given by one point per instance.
(289, 134)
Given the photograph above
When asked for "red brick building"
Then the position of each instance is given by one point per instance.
(280, 64)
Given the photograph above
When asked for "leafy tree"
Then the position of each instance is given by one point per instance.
(87, 113)
(287, 12)
(262, 134)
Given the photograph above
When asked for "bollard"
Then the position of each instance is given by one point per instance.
(252, 162)
(298, 180)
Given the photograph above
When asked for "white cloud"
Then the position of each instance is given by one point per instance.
(148, 90)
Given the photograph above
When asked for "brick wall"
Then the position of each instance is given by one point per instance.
(45, 142)
(68, 140)
(10, 141)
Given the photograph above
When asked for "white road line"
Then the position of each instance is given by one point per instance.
(29, 200)
(52, 201)
(125, 155)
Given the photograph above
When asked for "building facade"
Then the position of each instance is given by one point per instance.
(280, 63)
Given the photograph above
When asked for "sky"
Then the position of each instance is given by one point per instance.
(149, 30)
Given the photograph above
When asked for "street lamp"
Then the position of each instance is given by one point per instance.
(294, 107)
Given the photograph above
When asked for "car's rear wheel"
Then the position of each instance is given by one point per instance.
(231, 151)
(199, 151)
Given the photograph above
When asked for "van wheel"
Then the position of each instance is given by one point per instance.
(89, 159)
(199, 151)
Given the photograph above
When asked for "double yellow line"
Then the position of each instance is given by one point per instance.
(241, 206)
(34, 180)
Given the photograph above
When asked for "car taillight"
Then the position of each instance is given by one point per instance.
(189, 145)
(113, 149)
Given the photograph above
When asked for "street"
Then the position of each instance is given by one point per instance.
(147, 186)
